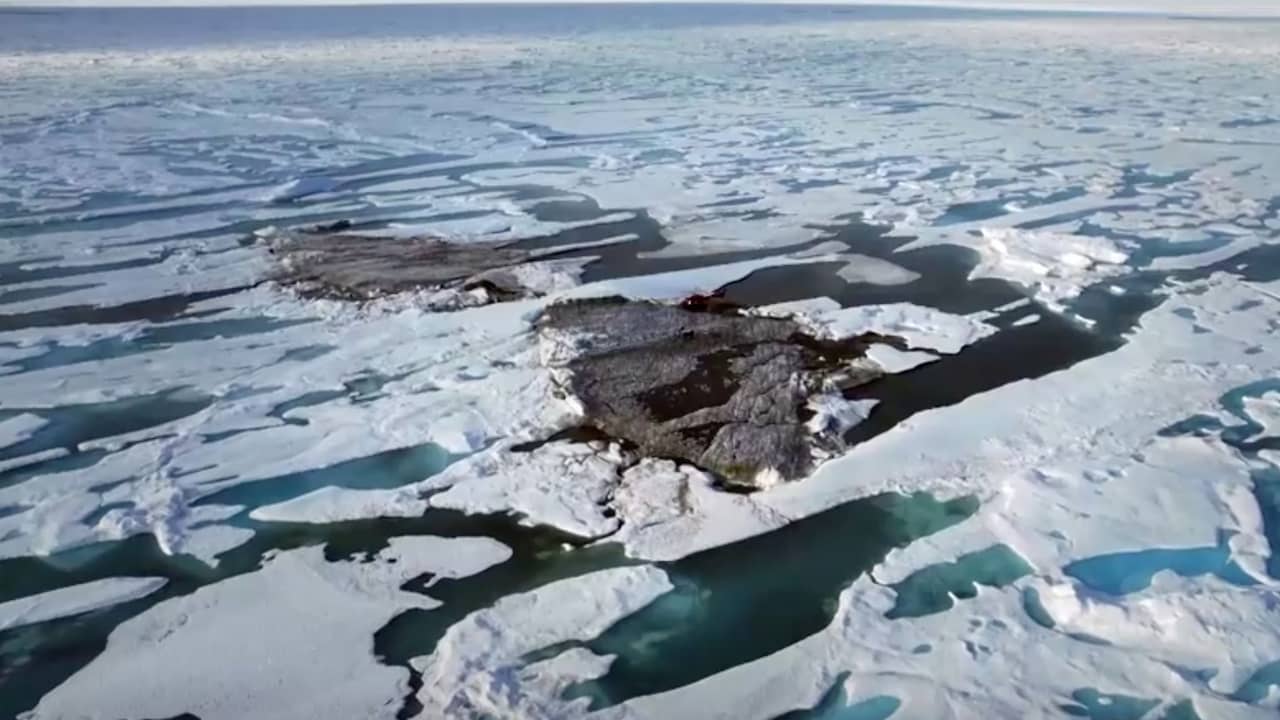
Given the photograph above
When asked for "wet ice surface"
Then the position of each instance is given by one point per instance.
(1061, 500)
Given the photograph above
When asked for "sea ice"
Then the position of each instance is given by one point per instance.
(1054, 266)
(923, 328)
(875, 271)
(834, 415)
(301, 188)
(561, 484)
(334, 504)
(74, 600)
(17, 428)
(894, 360)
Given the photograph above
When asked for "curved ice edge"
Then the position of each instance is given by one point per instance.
(75, 600)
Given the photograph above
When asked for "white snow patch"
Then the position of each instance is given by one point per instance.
(562, 484)
(894, 360)
(33, 459)
(20, 427)
(1054, 266)
(808, 306)
(833, 414)
(921, 327)
(669, 510)
(683, 283)
(874, 271)
(335, 504)
(466, 379)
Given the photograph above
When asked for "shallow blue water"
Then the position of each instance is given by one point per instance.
(1095, 705)
(740, 602)
(389, 469)
(1035, 609)
(1130, 572)
(69, 425)
(835, 705)
(935, 588)
(1259, 684)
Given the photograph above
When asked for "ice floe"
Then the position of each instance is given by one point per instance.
(334, 504)
(923, 328)
(894, 360)
(565, 485)
(74, 600)
(1051, 265)
(472, 669)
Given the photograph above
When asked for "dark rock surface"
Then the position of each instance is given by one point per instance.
(354, 267)
(702, 382)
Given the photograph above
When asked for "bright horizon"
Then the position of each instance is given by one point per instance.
(1242, 8)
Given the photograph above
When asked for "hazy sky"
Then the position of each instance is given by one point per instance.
(1209, 7)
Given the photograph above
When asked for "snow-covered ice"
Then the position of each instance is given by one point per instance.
(1051, 265)
(471, 670)
(922, 328)
(334, 504)
(833, 414)
(894, 360)
(564, 485)
(74, 600)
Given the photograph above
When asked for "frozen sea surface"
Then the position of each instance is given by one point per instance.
(222, 499)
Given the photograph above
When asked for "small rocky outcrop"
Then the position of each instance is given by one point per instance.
(703, 382)
(331, 263)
